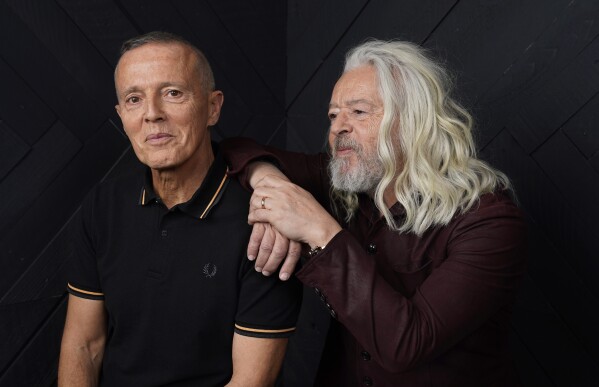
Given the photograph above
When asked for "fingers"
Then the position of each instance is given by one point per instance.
(266, 247)
(262, 199)
(256, 236)
(278, 253)
(270, 248)
(293, 256)
(261, 205)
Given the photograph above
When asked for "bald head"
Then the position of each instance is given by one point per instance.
(202, 67)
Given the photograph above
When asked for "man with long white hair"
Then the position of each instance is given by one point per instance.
(421, 257)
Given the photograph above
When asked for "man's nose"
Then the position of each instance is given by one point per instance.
(340, 124)
(154, 109)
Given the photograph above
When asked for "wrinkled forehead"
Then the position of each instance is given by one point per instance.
(360, 83)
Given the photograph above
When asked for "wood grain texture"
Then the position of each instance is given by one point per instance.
(21, 108)
(47, 77)
(582, 128)
(31, 262)
(41, 166)
(527, 69)
(103, 23)
(12, 149)
(37, 362)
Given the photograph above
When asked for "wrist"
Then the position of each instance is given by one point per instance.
(324, 237)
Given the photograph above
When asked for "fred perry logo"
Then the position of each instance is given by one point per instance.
(209, 270)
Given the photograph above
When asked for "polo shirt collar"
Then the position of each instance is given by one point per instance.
(204, 199)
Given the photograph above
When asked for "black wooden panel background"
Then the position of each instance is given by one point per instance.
(529, 70)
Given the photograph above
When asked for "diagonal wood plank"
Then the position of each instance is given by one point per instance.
(560, 98)
(22, 109)
(31, 369)
(481, 39)
(28, 180)
(324, 24)
(103, 24)
(550, 342)
(226, 56)
(12, 149)
(23, 257)
(70, 48)
(555, 213)
(257, 30)
(18, 323)
(71, 103)
(543, 60)
(583, 128)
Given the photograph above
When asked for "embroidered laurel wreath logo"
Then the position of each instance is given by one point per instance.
(209, 270)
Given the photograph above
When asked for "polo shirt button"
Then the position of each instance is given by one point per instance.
(371, 248)
(164, 233)
(365, 355)
(367, 381)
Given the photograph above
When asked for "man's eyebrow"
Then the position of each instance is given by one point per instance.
(128, 90)
(134, 89)
(352, 103)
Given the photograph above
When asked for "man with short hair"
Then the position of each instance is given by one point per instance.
(420, 262)
(159, 292)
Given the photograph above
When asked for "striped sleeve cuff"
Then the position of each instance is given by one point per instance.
(264, 333)
(91, 295)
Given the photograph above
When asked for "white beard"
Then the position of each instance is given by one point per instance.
(363, 177)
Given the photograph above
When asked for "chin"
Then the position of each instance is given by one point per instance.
(162, 165)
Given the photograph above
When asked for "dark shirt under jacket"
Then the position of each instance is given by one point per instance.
(412, 311)
(176, 283)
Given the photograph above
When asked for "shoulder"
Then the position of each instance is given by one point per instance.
(112, 194)
(498, 204)
(492, 222)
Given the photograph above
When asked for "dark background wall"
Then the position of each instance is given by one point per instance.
(529, 70)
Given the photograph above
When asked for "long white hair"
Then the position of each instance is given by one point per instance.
(434, 171)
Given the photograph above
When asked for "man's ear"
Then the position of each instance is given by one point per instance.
(215, 103)
(118, 110)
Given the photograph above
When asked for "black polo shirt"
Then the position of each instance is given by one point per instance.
(176, 283)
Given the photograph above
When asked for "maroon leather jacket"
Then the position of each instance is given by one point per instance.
(430, 310)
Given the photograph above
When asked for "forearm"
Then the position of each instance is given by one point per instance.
(83, 342)
(256, 361)
(258, 170)
(307, 171)
(79, 367)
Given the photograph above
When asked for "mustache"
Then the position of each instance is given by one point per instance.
(346, 142)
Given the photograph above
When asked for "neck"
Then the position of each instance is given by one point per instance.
(389, 197)
(177, 185)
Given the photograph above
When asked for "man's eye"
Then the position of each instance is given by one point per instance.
(174, 93)
(332, 116)
(359, 112)
(132, 100)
